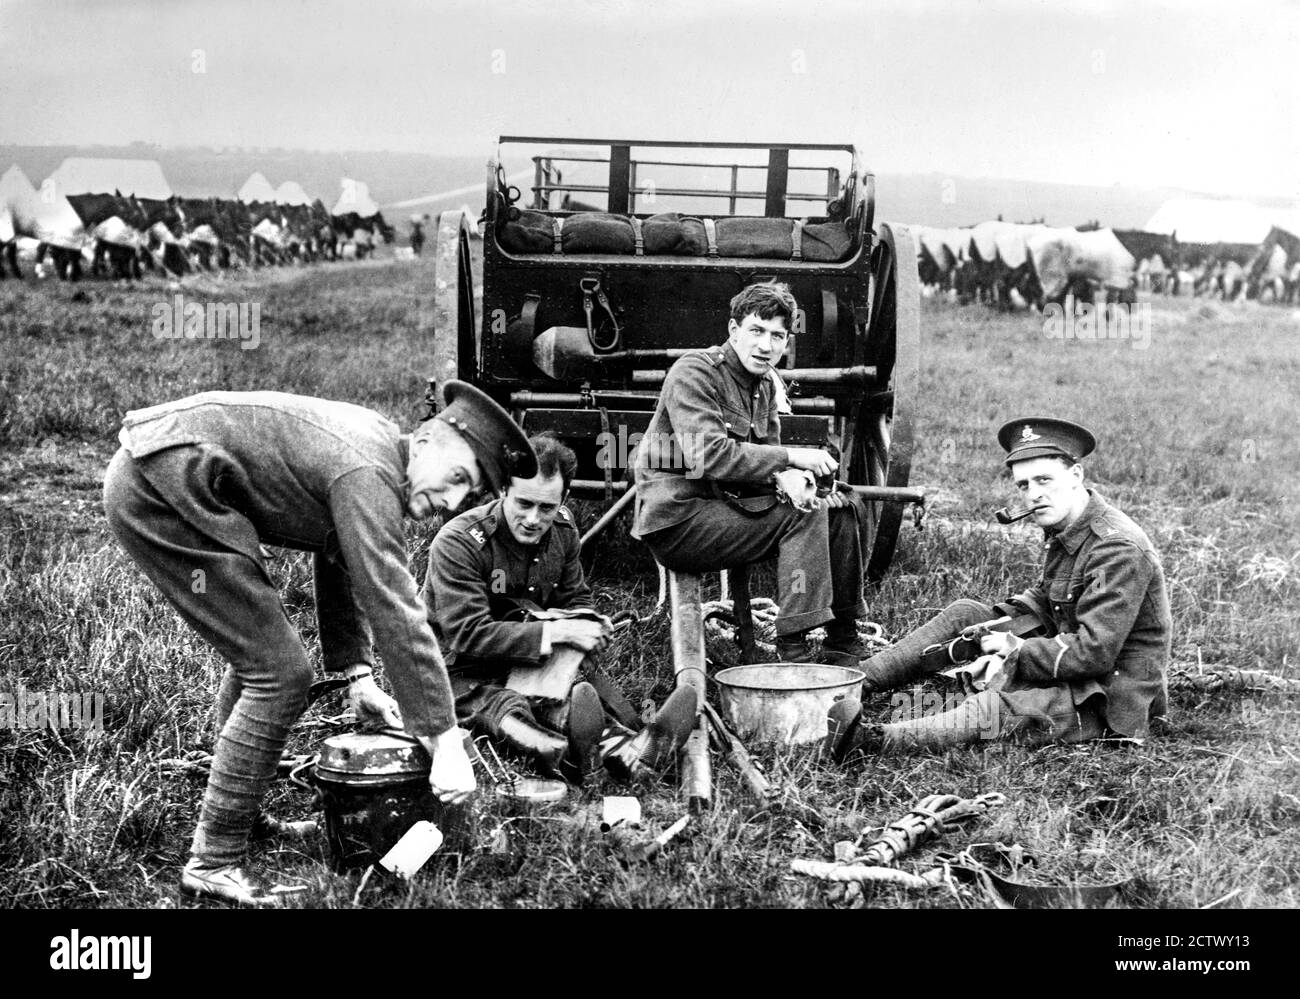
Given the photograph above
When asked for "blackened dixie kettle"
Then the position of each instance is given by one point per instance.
(373, 787)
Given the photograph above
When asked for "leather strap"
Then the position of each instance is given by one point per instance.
(711, 234)
(557, 228)
(796, 240)
(754, 505)
(591, 288)
(636, 233)
(830, 315)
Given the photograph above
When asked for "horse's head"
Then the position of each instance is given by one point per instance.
(164, 212)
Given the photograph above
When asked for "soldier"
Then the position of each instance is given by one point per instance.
(1099, 665)
(195, 490)
(417, 233)
(711, 469)
(508, 600)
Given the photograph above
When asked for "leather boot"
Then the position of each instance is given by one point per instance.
(545, 747)
(843, 647)
(586, 725)
(630, 757)
(794, 648)
(233, 885)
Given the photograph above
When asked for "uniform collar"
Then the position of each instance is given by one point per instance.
(732, 360)
(1072, 537)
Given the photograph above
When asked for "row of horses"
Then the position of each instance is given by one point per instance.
(1006, 264)
(121, 236)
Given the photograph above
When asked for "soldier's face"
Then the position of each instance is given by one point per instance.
(759, 343)
(531, 506)
(1052, 490)
(441, 471)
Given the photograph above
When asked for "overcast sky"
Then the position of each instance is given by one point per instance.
(1182, 93)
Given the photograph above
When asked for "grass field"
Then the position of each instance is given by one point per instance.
(1198, 444)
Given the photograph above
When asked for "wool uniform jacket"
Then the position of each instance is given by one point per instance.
(318, 476)
(715, 424)
(478, 572)
(1109, 626)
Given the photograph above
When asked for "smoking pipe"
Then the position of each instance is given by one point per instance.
(1004, 516)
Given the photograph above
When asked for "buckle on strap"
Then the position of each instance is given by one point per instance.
(711, 234)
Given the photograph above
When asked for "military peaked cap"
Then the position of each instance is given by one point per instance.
(498, 441)
(1041, 436)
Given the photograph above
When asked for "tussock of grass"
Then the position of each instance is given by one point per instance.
(1197, 444)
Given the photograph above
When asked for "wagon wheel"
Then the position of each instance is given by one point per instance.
(880, 452)
(454, 321)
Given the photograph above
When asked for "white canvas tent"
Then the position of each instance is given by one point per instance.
(85, 175)
(256, 188)
(43, 215)
(355, 197)
(291, 193)
(1203, 220)
(17, 198)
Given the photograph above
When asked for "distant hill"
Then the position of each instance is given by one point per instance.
(930, 199)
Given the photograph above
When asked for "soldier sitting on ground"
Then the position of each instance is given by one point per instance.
(711, 470)
(508, 600)
(1098, 666)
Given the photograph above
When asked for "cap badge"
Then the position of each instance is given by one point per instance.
(1028, 434)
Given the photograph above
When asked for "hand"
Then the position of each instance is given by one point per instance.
(451, 775)
(812, 459)
(583, 634)
(985, 671)
(1000, 643)
(797, 487)
(836, 497)
(372, 706)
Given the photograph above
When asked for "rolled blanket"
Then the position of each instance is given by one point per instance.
(826, 242)
(756, 237)
(671, 233)
(598, 232)
(532, 232)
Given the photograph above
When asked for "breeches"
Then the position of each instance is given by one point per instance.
(1029, 714)
(228, 599)
(819, 556)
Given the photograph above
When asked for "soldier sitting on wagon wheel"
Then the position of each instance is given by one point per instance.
(510, 605)
(711, 472)
(1098, 624)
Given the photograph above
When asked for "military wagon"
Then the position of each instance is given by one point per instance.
(617, 257)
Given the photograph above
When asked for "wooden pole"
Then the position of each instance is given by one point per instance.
(687, 635)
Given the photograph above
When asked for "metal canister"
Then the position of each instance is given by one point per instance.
(373, 788)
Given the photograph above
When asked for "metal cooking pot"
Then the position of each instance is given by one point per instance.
(373, 787)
